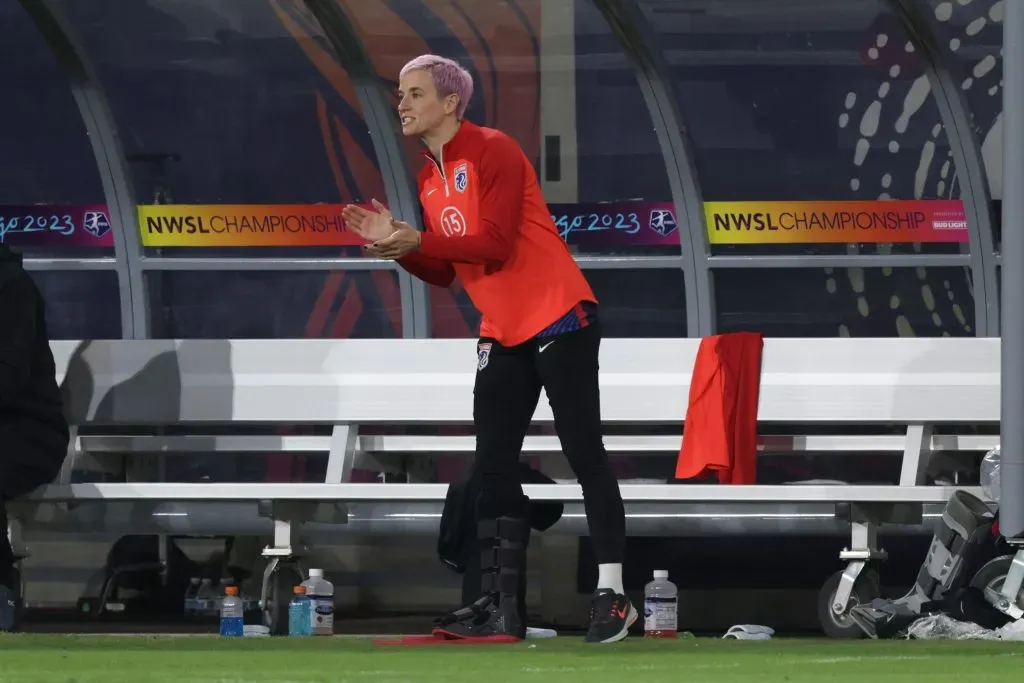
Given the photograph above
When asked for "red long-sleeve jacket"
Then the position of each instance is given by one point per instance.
(487, 223)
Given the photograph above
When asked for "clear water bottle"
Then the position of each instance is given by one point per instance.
(300, 622)
(190, 596)
(232, 621)
(222, 590)
(661, 607)
(206, 599)
(320, 592)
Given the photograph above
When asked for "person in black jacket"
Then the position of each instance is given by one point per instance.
(33, 430)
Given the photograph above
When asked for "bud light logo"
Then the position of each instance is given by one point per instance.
(663, 222)
(96, 223)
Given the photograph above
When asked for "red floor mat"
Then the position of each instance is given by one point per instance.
(439, 637)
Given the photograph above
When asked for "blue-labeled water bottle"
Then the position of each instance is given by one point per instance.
(232, 621)
(300, 622)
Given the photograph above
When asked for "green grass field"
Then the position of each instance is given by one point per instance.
(204, 659)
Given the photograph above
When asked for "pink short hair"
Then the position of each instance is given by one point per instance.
(448, 77)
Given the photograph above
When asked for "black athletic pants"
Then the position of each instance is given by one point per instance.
(508, 384)
(24, 467)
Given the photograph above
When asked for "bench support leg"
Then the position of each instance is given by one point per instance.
(283, 571)
(285, 539)
(863, 549)
(916, 455)
(864, 540)
(287, 519)
(342, 457)
(865, 519)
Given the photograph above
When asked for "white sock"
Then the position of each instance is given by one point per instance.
(610, 576)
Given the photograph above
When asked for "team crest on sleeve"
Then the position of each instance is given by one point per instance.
(483, 356)
(461, 177)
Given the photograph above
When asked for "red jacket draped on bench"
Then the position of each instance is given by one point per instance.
(720, 433)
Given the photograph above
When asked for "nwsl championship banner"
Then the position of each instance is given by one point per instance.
(245, 225)
(884, 221)
(607, 225)
(613, 225)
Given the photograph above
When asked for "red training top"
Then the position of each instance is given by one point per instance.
(720, 432)
(488, 223)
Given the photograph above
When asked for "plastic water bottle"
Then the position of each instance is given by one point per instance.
(206, 599)
(224, 583)
(661, 607)
(300, 621)
(320, 592)
(232, 622)
(190, 596)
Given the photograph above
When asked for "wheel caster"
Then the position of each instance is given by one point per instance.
(992, 575)
(279, 580)
(841, 626)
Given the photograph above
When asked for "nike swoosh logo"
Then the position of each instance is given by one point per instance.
(430, 192)
(544, 346)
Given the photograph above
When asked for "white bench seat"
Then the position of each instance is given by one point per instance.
(351, 493)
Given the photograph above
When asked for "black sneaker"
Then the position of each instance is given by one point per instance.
(611, 615)
(485, 619)
(8, 609)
